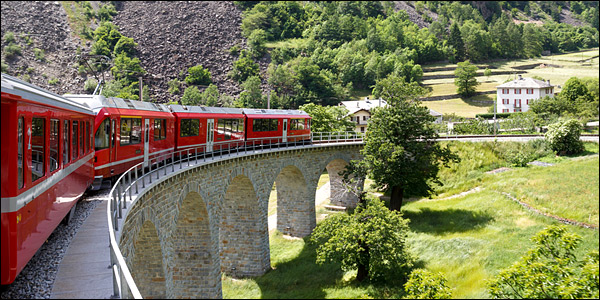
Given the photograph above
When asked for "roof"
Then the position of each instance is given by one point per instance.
(368, 104)
(176, 108)
(525, 82)
(97, 102)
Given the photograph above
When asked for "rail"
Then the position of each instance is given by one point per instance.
(128, 185)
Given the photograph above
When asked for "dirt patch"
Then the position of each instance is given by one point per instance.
(499, 170)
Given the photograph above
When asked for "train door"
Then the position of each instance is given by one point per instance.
(284, 137)
(210, 124)
(113, 145)
(146, 141)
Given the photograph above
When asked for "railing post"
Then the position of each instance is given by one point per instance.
(136, 181)
(119, 200)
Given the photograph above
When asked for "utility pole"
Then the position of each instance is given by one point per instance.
(141, 99)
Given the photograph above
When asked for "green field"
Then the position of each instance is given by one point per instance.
(556, 68)
(468, 238)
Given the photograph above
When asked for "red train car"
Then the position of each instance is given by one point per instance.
(276, 126)
(127, 132)
(212, 129)
(47, 164)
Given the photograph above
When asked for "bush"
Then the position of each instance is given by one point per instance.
(39, 54)
(563, 137)
(198, 75)
(12, 50)
(423, 284)
(90, 85)
(244, 67)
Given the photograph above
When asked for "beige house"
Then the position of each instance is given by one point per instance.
(360, 112)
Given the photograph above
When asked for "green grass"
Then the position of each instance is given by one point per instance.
(468, 239)
(569, 66)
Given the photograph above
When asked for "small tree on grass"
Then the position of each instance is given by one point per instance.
(550, 270)
(465, 78)
(423, 284)
(563, 137)
(372, 240)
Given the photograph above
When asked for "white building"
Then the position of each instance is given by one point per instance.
(515, 96)
(360, 112)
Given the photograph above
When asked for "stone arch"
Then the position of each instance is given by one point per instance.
(339, 195)
(195, 268)
(295, 204)
(147, 266)
(243, 235)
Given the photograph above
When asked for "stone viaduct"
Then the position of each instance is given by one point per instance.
(187, 228)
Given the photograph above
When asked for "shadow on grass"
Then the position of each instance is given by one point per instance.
(446, 221)
(302, 278)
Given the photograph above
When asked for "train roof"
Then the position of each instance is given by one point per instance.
(256, 112)
(26, 90)
(97, 102)
(176, 108)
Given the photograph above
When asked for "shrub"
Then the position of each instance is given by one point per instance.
(12, 50)
(198, 75)
(9, 37)
(39, 54)
(563, 137)
(244, 67)
(90, 85)
(423, 284)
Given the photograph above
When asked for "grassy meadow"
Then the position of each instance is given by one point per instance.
(468, 238)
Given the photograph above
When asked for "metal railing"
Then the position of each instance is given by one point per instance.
(135, 179)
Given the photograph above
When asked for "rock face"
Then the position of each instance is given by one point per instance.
(173, 36)
(42, 25)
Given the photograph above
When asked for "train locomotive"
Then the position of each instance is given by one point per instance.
(56, 147)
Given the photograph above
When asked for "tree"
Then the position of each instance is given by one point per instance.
(401, 153)
(328, 118)
(455, 40)
(198, 75)
(423, 284)
(487, 72)
(251, 96)
(372, 240)
(465, 78)
(549, 270)
(563, 137)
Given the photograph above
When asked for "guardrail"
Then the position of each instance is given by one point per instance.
(128, 185)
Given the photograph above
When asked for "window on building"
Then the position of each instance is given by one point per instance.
(54, 141)
(160, 129)
(505, 101)
(189, 127)
(517, 109)
(131, 131)
(504, 110)
(38, 153)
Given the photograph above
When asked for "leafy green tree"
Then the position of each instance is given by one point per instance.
(372, 240)
(550, 270)
(487, 73)
(210, 96)
(251, 96)
(125, 45)
(401, 153)
(256, 42)
(532, 42)
(465, 78)
(191, 96)
(127, 69)
(423, 284)
(563, 137)
(198, 75)
(456, 41)
(328, 118)
(244, 67)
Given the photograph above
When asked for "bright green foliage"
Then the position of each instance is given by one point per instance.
(198, 75)
(372, 240)
(423, 284)
(191, 96)
(465, 78)
(251, 96)
(328, 118)
(456, 41)
(125, 45)
(244, 67)
(126, 68)
(256, 42)
(400, 151)
(563, 137)
(550, 270)
(174, 86)
(210, 96)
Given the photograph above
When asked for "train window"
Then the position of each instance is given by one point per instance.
(189, 127)
(87, 133)
(307, 123)
(131, 131)
(74, 141)
(20, 153)
(66, 143)
(38, 154)
(297, 124)
(240, 127)
(160, 129)
(54, 128)
(221, 126)
(102, 137)
(81, 137)
(264, 125)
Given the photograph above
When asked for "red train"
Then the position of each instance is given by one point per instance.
(55, 147)
(47, 164)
